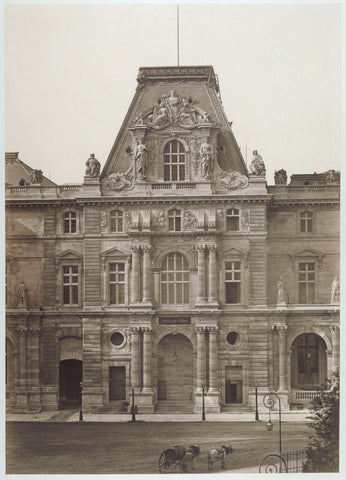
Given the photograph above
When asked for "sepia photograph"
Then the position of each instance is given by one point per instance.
(171, 264)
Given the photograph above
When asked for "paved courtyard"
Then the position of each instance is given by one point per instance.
(134, 448)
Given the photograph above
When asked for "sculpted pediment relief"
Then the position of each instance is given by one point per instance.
(114, 252)
(235, 251)
(69, 254)
(173, 109)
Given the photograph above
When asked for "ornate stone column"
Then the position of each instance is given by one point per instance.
(282, 357)
(212, 359)
(146, 274)
(134, 357)
(22, 395)
(200, 358)
(135, 273)
(335, 333)
(212, 274)
(201, 273)
(35, 392)
(146, 360)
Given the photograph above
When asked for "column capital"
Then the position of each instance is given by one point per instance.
(334, 329)
(212, 330)
(281, 329)
(22, 330)
(146, 248)
(35, 330)
(134, 330)
(200, 330)
(135, 248)
(147, 330)
(200, 248)
(211, 248)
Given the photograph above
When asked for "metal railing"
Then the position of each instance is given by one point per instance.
(294, 460)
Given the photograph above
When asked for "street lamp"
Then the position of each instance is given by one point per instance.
(133, 408)
(269, 402)
(80, 401)
(203, 406)
(256, 416)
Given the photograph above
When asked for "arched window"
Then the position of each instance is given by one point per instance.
(175, 279)
(232, 220)
(117, 221)
(174, 220)
(306, 222)
(174, 161)
(70, 222)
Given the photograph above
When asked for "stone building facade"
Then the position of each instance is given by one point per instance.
(176, 270)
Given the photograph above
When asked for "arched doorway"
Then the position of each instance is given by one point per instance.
(70, 375)
(308, 362)
(175, 369)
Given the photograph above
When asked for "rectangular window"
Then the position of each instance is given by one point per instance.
(117, 283)
(306, 282)
(70, 222)
(70, 285)
(306, 222)
(233, 282)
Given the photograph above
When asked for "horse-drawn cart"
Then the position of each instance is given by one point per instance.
(177, 459)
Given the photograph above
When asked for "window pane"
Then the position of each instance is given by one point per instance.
(237, 265)
(311, 266)
(74, 269)
(171, 263)
(186, 293)
(181, 172)
(232, 224)
(311, 293)
(302, 293)
(121, 287)
(179, 293)
(232, 292)
(112, 293)
(178, 224)
(174, 173)
(75, 294)
(66, 295)
(170, 293)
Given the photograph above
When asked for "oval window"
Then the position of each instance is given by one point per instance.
(232, 338)
(117, 339)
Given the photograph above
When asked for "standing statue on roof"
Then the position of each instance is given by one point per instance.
(257, 166)
(93, 167)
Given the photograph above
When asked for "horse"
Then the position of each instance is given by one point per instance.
(218, 454)
(189, 459)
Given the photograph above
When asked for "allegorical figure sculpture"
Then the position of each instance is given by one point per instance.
(93, 167)
(280, 177)
(330, 176)
(281, 291)
(257, 166)
(206, 156)
(36, 176)
(335, 291)
(22, 299)
(141, 158)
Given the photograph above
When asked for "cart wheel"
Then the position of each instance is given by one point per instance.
(163, 463)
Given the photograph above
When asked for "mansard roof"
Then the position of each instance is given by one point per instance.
(17, 171)
(194, 86)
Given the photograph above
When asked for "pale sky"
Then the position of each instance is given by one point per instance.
(70, 75)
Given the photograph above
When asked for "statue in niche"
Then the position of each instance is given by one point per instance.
(206, 156)
(141, 158)
(93, 167)
(22, 295)
(257, 166)
(281, 290)
(335, 291)
(280, 177)
(36, 176)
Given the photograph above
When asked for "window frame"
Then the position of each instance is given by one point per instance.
(309, 218)
(66, 259)
(233, 273)
(306, 272)
(165, 283)
(109, 282)
(61, 222)
(108, 257)
(116, 218)
(172, 215)
(231, 216)
(70, 285)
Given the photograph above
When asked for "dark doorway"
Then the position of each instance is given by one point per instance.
(234, 391)
(161, 390)
(71, 374)
(117, 383)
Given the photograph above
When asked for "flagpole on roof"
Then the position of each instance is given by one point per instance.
(178, 33)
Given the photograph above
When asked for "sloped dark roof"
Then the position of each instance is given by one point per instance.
(16, 170)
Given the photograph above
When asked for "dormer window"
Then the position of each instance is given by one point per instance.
(174, 220)
(174, 159)
(232, 220)
(117, 221)
(70, 222)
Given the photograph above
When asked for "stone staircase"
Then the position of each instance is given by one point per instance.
(174, 406)
(237, 408)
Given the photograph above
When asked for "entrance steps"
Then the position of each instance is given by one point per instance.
(174, 406)
(236, 408)
(112, 407)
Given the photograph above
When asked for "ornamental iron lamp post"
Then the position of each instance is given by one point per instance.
(256, 396)
(269, 402)
(133, 408)
(80, 401)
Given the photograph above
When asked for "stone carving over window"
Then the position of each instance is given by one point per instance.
(230, 180)
(173, 109)
(190, 221)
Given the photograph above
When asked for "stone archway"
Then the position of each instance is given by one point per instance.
(308, 362)
(175, 369)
